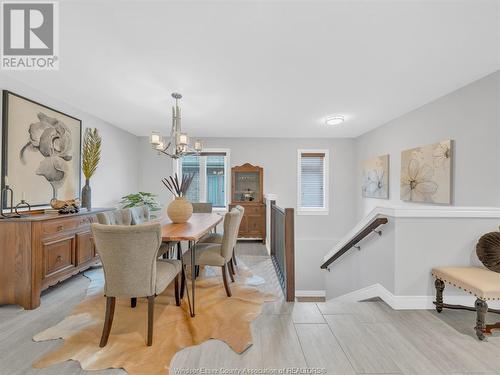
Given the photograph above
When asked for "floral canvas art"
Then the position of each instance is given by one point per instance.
(376, 177)
(426, 173)
(41, 151)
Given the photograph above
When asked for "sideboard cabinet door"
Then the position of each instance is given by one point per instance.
(85, 251)
(59, 256)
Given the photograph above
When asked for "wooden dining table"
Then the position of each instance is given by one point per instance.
(192, 231)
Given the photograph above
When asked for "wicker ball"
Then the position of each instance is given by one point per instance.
(488, 251)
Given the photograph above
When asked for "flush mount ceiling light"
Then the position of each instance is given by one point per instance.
(334, 120)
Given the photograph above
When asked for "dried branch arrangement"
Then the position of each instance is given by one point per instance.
(176, 188)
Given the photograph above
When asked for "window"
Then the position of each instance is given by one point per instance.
(210, 177)
(312, 182)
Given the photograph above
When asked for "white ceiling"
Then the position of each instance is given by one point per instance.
(267, 69)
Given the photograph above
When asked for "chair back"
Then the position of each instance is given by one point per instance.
(140, 215)
(230, 235)
(116, 217)
(202, 208)
(242, 212)
(128, 255)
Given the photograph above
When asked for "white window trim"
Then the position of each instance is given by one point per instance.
(227, 172)
(326, 183)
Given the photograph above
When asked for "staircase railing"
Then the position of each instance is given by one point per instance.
(283, 248)
(371, 227)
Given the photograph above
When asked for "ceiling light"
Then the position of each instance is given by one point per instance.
(334, 120)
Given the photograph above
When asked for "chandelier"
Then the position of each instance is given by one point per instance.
(177, 145)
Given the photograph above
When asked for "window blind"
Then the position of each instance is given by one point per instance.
(312, 172)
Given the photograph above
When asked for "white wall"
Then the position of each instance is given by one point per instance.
(470, 116)
(315, 235)
(117, 174)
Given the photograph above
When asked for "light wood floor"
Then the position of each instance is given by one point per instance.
(357, 338)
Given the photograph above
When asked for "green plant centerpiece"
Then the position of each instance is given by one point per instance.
(91, 155)
(180, 209)
(141, 199)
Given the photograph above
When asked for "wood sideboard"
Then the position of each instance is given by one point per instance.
(39, 251)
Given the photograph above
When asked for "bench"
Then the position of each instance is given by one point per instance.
(480, 282)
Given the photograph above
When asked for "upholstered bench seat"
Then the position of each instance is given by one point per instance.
(481, 282)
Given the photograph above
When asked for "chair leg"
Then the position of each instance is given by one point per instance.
(234, 259)
(151, 311)
(133, 302)
(230, 270)
(481, 310)
(439, 284)
(197, 271)
(108, 320)
(224, 278)
(233, 269)
(176, 290)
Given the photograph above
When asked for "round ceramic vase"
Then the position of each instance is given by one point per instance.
(180, 210)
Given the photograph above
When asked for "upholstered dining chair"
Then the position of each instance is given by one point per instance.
(116, 217)
(129, 255)
(217, 238)
(140, 215)
(202, 208)
(214, 254)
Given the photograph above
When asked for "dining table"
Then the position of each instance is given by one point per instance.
(198, 225)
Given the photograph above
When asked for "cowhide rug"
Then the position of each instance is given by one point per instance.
(217, 317)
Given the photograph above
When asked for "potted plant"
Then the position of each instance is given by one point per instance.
(180, 209)
(141, 199)
(91, 155)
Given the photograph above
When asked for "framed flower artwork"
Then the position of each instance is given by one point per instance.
(376, 177)
(426, 173)
(41, 150)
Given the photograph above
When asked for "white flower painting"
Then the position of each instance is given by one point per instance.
(376, 177)
(426, 173)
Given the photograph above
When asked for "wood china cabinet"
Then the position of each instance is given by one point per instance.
(247, 191)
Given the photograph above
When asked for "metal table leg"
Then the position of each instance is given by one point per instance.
(192, 247)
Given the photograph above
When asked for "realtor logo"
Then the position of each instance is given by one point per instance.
(30, 36)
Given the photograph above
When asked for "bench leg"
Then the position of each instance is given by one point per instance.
(439, 284)
(481, 310)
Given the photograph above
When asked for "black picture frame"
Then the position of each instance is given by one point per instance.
(5, 143)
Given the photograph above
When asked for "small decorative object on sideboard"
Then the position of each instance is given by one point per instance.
(71, 206)
(91, 155)
(179, 210)
(22, 204)
(4, 197)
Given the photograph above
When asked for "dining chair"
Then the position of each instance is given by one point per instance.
(129, 255)
(202, 208)
(140, 214)
(217, 238)
(214, 254)
(116, 217)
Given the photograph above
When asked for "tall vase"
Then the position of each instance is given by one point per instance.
(87, 196)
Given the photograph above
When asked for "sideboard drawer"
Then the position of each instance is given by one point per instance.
(62, 225)
(59, 255)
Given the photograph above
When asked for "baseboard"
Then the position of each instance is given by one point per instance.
(310, 293)
(407, 302)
